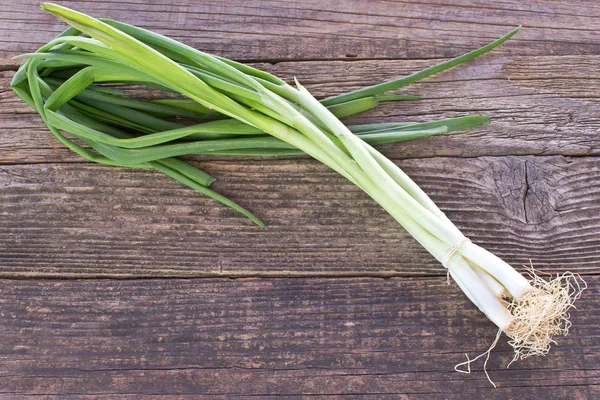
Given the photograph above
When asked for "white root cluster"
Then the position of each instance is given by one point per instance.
(542, 313)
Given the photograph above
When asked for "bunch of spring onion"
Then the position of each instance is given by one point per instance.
(239, 110)
(149, 133)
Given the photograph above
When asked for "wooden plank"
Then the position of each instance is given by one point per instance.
(313, 29)
(347, 337)
(267, 338)
(65, 220)
(539, 105)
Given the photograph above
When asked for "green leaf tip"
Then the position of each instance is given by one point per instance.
(419, 75)
(45, 6)
(513, 32)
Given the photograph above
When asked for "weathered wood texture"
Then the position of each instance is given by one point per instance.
(314, 29)
(539, 105)
(268, 338)
(526, 187)
(89, 220)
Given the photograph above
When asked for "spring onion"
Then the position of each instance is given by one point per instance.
(138, 133)
(245, 111)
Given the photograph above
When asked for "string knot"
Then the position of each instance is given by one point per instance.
(453, 250)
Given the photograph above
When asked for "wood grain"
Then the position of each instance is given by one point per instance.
(267, 338)
(215, 322)
(64, 220)
(312, 29)
(539, 105)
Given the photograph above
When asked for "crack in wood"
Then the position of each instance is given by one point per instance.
(525, 190)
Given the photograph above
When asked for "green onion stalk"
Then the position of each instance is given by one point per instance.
(240, 110)
(103, 118)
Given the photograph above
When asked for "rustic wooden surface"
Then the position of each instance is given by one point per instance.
(223, 309)
(271, 338)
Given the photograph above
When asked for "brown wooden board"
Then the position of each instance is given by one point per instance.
(538, 105)
(313, 29)
(88, 220)
(268, 338)
(333, 299)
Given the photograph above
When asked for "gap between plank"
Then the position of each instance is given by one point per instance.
(242, 275)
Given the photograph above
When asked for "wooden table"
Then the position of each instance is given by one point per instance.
(120, 283)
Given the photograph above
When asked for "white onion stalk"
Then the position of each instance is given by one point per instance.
(529, 311)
